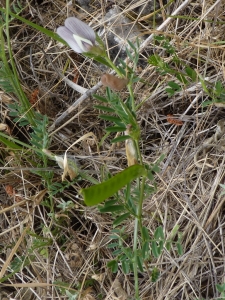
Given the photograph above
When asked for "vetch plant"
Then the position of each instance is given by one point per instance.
(126, 200)
(127, 189)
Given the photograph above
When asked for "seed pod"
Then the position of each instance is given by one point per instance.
(96, 194)
(114, 82)
(131, 152)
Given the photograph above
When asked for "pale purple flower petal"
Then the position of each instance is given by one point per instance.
(67, 35)
(80, 28)
(77, 34)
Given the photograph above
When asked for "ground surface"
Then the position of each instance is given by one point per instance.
(188, 190)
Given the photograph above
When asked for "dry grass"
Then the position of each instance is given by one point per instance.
(187, 196)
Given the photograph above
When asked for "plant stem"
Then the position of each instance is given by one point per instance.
(139, 210)
(113, 66)
(138, 151)
(138, 223)
(131, 92)
(135, 264)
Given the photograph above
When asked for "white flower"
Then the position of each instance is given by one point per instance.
(78, 35)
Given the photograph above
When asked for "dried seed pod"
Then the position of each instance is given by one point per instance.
(131, 152)
(114, 82)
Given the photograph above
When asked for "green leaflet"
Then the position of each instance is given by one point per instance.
(120, 219)
(98, 193)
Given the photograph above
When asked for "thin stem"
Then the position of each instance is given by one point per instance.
(138, 223)
(131, 92)
(139, 210)
(138, 151)
(113, 66)
(135, 264)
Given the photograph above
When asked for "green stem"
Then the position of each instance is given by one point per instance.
(141, 188)
(140, 204)
(113, 66)
(138, 151)
(138, 223)
(131, 92)
(135, 264)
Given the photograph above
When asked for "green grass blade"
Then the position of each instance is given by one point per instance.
(9, 144)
